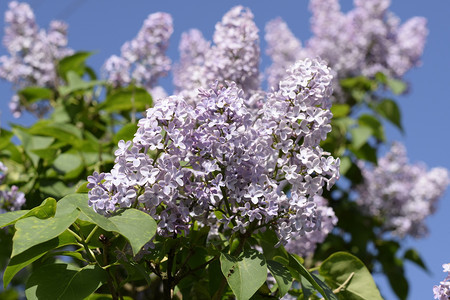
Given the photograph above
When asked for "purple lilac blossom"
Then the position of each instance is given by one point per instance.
(306, 245)
(33, 53)
(143, 60)
(366, 40)
(189, 73)
(283, 48)
(234, 56)
(117, 70)
(3, 170)
(11, 200)
(219, 157)
(442, 291)
(401, 194)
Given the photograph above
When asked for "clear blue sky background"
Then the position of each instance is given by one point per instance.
(104, 25)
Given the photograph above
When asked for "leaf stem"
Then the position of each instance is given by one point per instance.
(91, 234)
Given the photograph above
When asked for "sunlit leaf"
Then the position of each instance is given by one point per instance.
(349, 277)
(245, 273)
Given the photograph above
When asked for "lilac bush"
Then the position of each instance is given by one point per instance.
(33, 53)
(218, 157)
(143, 60)
(234, 56)
(222, 175)
(306, 245)
(189, 72)
(3, 170)
(442, 291)
(364, 41)
(401, 194)
(12, 199)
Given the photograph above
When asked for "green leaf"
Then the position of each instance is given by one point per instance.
(389, 110)
(81, 201)
(397, 86)
(33, 231)
(371, 122)
(126, 224)
(36, 93)
(307, 288)
(48, 154)
(62, 131)
(104, 297)
(396, 276)
(25, 258)
(82, 187)
(125, 99)
(11, 217)
(267, 240)
(126, 133)
(358, 83)
(344, 270)
(76, 83)
(360, 135)
(281, 275)
(67, 163)
(31, 142)
(340, 110)
(46, 210)
(11, 294)
(245, 274)
(5, 138)
(54, 187)
(366, 152)
(320, 286)
(75, 62)
(381, 77)
(413, 255)
(64, 282)
(345, 165)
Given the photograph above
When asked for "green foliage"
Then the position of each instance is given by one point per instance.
(281, 275)
(245, 273)
(74, 63)
(388, 109)
(32, 254)
(126, 99)
(349, 277)
(319, 285)
(64, 281)
(35, 93)
(125, 223)
(33, 231)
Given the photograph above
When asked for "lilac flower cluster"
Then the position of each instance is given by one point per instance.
(9, 200)
(3, 170)
(33, 52)
(189, 72)
(442, 291)
(234, 56)
(218, 163)
(306, 245)
(283, 48)
(143, 60)
(401, 194)
(366, 40)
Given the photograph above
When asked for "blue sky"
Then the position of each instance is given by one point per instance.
(104, 25)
